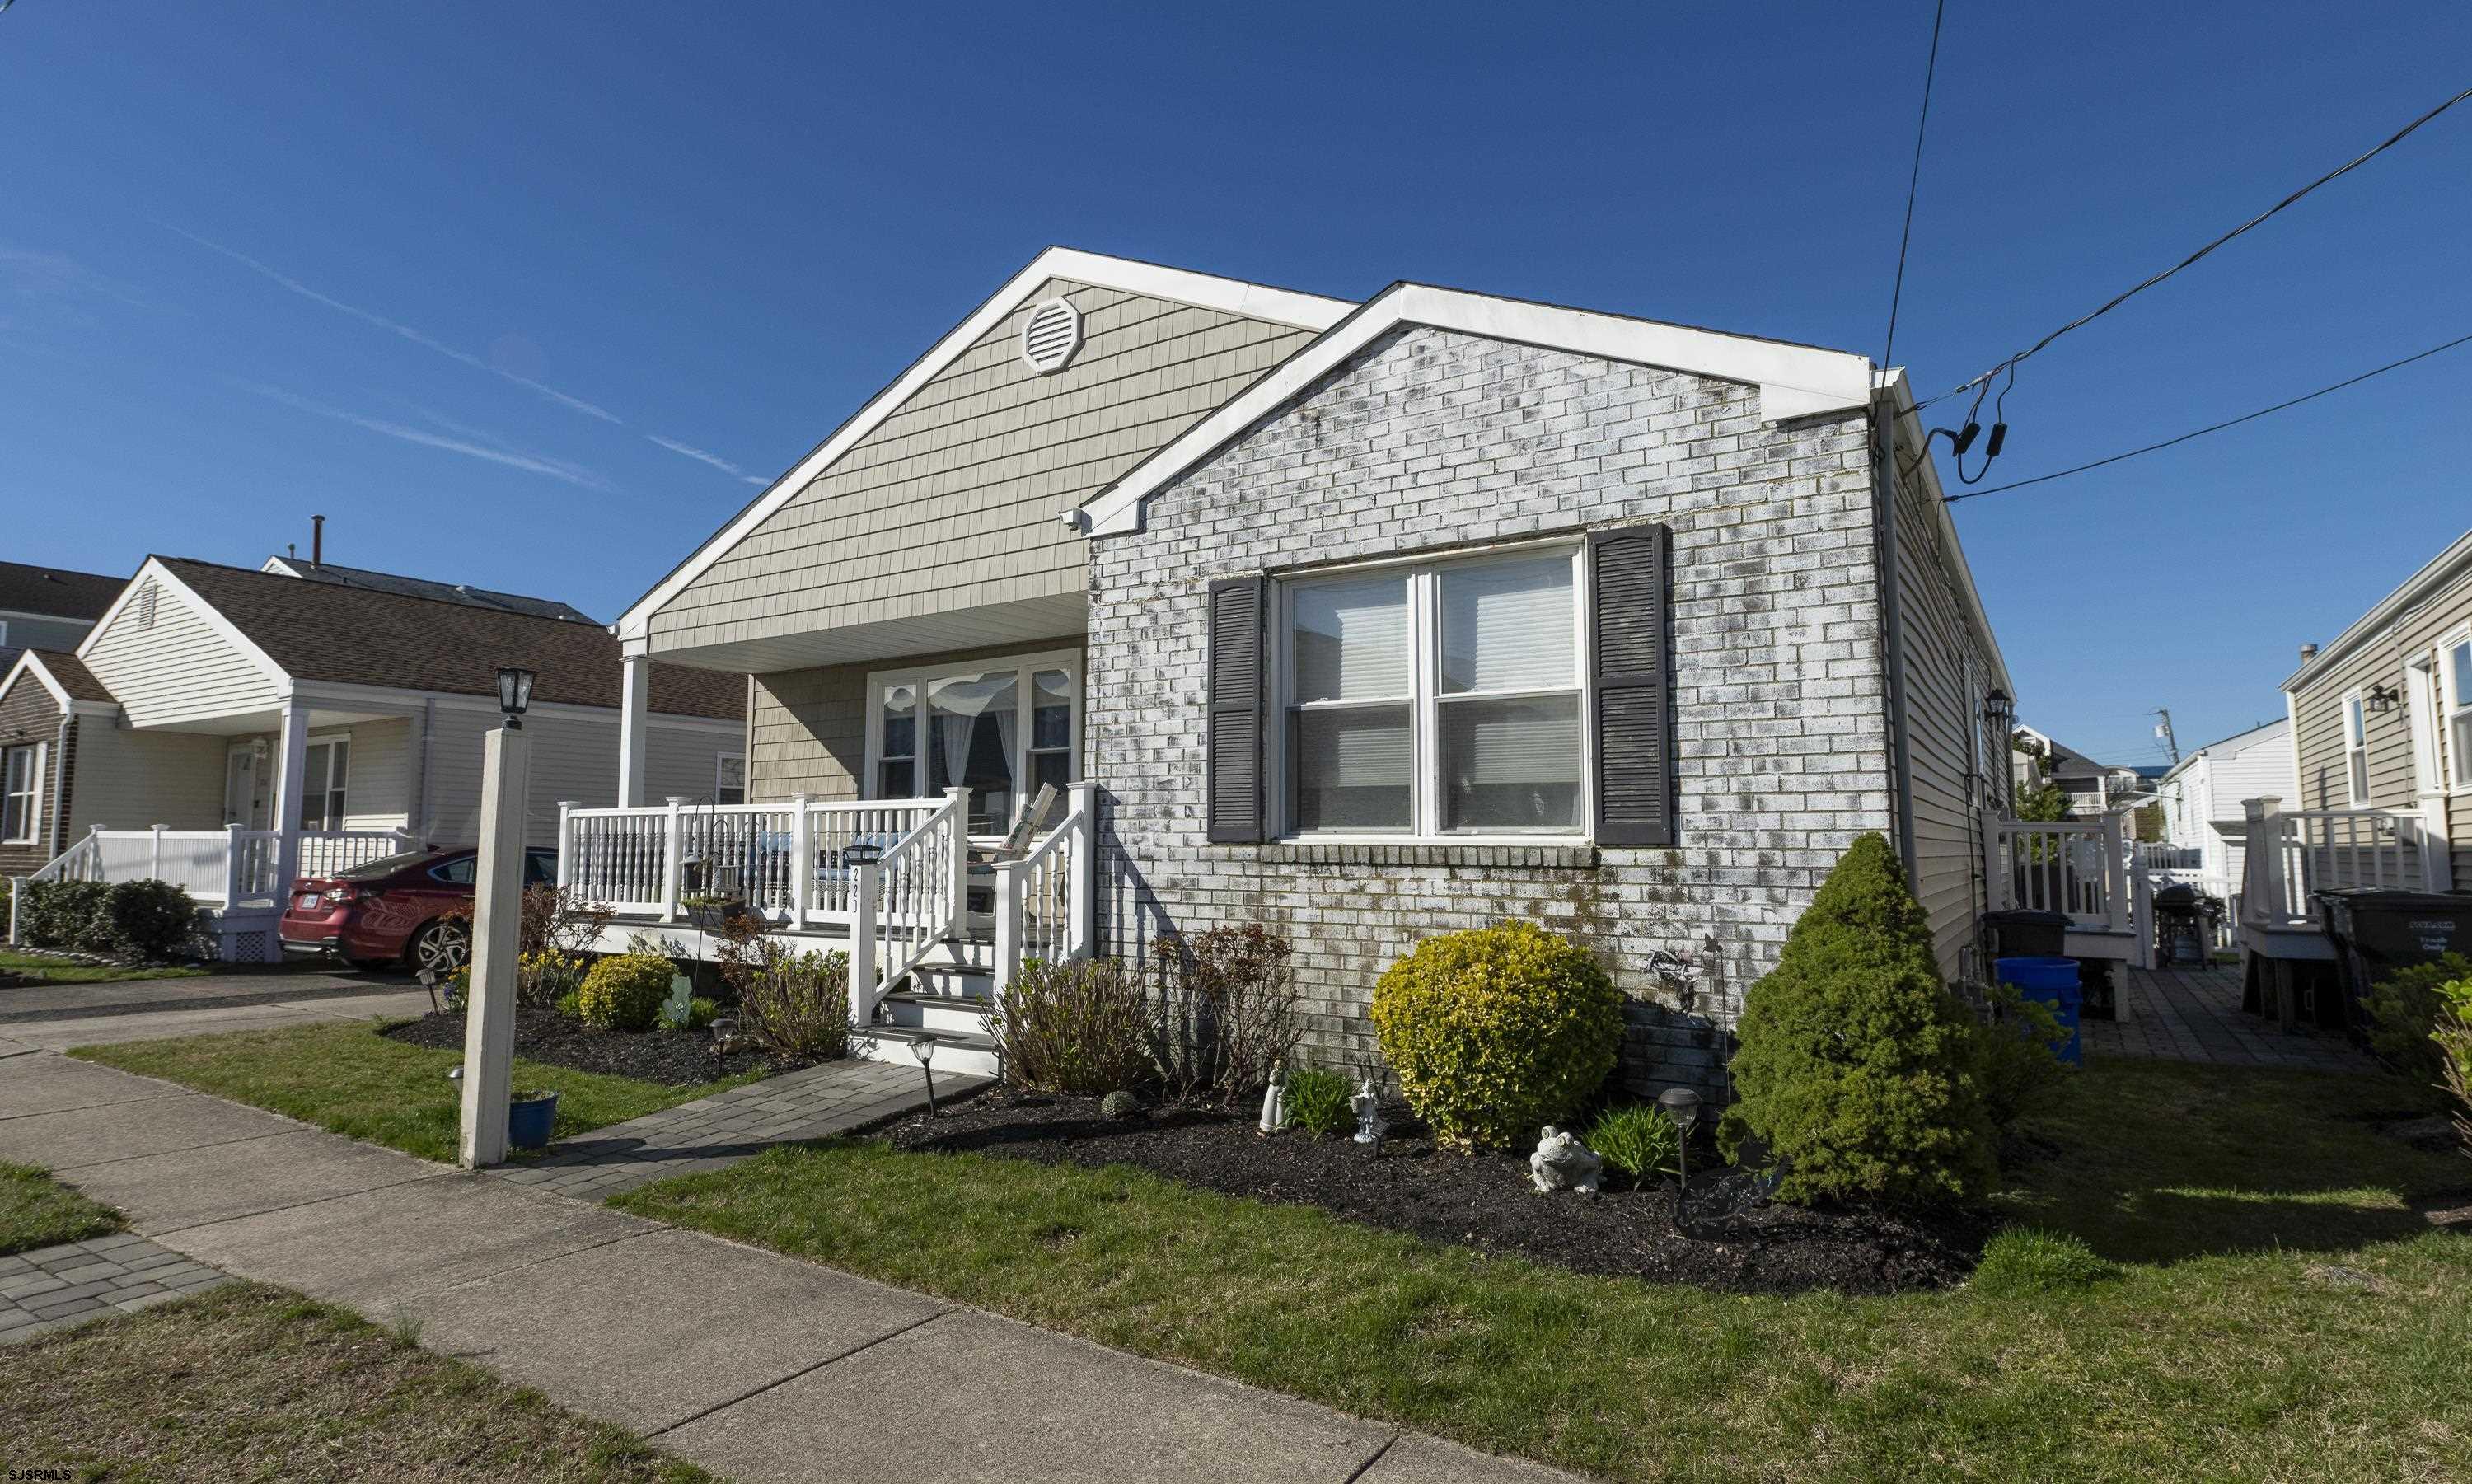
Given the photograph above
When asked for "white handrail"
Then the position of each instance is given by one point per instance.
(784, 862)
(907, 900)
(2075, 867)
(2290, 855)
(218, 867)
(1044, 903)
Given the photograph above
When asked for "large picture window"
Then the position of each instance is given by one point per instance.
(999, 728)
(21, 794)
(1439, 699)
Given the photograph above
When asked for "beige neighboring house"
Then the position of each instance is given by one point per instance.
(2380, 790)
(48, 607)
(275, 727)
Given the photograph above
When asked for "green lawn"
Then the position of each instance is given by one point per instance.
(2215, 1350)
(37, 1211)
(68, 971)
(350, 1079)
(250, 1383)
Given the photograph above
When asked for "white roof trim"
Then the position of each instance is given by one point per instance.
(1795, 381)
(213, 617)
(27, 663)
(2440, 570)
(1230, 296)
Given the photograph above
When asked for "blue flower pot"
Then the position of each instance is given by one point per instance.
(529, 1120)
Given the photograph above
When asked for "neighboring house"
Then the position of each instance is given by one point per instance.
(46, 607)
(2380, 789)
(2202, 796)
(2094, 789)
(277, 728)
(1364, 622)
(422, 587)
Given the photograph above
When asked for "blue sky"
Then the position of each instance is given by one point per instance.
(534, 296)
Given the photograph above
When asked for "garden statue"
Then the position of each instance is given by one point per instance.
(1275, 1101)
(1562, 1162)
(1368, 1106)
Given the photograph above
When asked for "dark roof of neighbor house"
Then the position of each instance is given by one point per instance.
(361, 636)
(56, 592)
(425, 587)
(72, 674)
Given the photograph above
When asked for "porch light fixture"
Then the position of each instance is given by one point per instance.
(2382, 699)
(923, 1047)
(515, 695)
(1999, 709)
(1682, 1106)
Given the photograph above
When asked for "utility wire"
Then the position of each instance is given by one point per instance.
(2391, 140)
(1914, 183)
(2229, 422)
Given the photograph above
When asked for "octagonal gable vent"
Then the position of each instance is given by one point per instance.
(1049, 336)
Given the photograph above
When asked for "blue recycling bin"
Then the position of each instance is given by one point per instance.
(2052, 984)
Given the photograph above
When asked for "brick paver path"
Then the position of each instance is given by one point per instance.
(2195, 1015)
(708, 1134)
(53, 1287)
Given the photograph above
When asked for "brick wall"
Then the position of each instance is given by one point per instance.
(1429, 440)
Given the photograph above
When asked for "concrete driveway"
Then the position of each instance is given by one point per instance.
(55, 1017)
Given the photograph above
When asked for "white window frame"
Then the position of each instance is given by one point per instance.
(719, 760)
(1426, 698)
(2455, 711)
(1025, 667)
(2355, 719)
(337, 803)
(32, 793)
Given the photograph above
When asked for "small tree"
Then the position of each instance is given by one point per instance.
(2149, 824)
(1857, 1065)
(2044, 803)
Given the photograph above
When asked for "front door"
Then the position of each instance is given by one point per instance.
(248, 798)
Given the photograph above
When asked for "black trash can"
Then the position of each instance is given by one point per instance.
(2023, 934)
(2377, 930)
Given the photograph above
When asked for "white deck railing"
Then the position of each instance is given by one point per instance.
(2074, 866)
(1044, 901)
(905, 902)
(2293, 856)
(653, 861)
(216, 866)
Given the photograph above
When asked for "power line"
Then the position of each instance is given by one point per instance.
(2229, 422)
(2117, 300)
(1914, 183)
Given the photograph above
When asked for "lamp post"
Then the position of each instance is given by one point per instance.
(497, 894)
(515, 695)
(923, 1047)
(1682, 1106)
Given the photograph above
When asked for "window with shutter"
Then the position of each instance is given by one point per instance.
(1634, 721)
(1232, 738)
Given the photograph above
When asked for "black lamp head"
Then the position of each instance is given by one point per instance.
(514, 693)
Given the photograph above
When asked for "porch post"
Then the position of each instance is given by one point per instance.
(567, 808)
(233, 845)
(803, 860)
(957, 844)
(673, 860)
(154, 859)
(290, 794)
(866, 880)
(1007, 965)
(634, 707)
(2264, 882)
(497, 898)
(1085, 866)
(2115, 889)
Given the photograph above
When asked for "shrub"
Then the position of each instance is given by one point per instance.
(1079, 1027)
(544, 977)
(1317, 1102)
(1497, 1031)
(1856, 1066)
(62, 914)
(2454, 1040)
(2016, 1051)
(795, 1005)
(2024, 1262)
(1226, 1014)
(570, 1005)
(147, 921)
(1637, 1139)
(2404, 1010)
(624, 991)
(1120, 1105)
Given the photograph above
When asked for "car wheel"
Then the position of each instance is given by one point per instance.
(442, 945)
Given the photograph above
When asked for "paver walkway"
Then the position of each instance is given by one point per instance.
(2195, 1015)
(53, 1287)
(757, 1366)
(712, 1132)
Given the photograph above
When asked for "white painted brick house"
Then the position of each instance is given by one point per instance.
(1365, 622)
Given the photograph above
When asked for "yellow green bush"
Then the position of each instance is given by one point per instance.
(624, 991)
(1497, 1031)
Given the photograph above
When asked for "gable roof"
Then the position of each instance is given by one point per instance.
(361, 636)
(2438, 571)
(1794, 381)
(425, 587)
(55, 592)
(1232, 295)
(64, 675)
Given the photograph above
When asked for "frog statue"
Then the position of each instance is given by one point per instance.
(1562, 1162)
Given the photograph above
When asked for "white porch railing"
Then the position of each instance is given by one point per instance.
(651, 862)
(1044, 901)
(905, 902)
(216, 866)
(2073, 866)
(2293, 856)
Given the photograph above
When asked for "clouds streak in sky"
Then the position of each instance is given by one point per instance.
(473, 445)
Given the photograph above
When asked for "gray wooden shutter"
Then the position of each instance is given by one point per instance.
(1232, 742)
(1634, 711)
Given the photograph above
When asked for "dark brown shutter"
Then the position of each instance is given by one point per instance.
(1634, 720)
(1232, 743)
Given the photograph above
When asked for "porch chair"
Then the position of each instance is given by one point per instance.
(984, 859)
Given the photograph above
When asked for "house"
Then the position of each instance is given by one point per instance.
(1363, 621)
(2380, 789)
(48, 607)
(275, 727)
(2094, 789)
(321, 571)
(2203, 824)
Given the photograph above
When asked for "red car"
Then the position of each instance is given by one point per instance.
(412, 907)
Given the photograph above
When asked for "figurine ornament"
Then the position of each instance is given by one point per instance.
(1562, 1162)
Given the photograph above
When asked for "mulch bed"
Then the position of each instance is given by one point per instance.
(674, 1058)
(1729, 1238)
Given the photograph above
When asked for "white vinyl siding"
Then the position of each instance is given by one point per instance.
(126, 779)
(182, 669)
(572, 758)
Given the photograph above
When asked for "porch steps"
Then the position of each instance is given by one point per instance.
(952, 1007)
(962, 1054)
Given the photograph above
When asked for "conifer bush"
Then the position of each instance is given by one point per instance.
(1857, 1065)
(1497, 1031)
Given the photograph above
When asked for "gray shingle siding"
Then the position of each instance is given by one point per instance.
(1431, 440)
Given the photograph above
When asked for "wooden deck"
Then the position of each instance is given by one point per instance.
(2195, 1015)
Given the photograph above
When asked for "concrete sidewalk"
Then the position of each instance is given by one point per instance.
(59, 1015)
(755, 1365)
